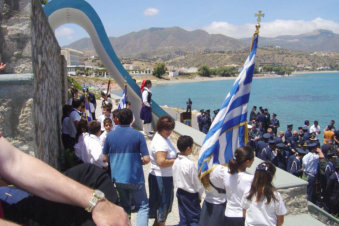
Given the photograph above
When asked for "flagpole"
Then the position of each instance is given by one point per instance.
(257, 26)
(108, 87)
(86, 103)
(230, 131)
(125, 87)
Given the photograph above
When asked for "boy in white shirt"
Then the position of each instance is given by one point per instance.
(108, 125)
(185, 178)
(107, 113)
(93, 145)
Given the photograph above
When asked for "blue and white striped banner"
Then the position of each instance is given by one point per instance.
(123, 99)
(229, 128)
(88, 111)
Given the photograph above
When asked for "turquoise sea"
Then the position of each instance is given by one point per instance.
(313, 96)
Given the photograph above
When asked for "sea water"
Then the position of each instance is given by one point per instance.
(312, 96)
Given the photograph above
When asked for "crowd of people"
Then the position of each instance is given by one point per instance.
(300, 153)
(110, 147)
(122, 150)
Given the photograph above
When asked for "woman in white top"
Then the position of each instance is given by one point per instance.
(213, 208)
(263, 205)
(237, 182)
(160, 179)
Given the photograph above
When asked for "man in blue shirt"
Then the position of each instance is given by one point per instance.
(127, 151)
(310, 165)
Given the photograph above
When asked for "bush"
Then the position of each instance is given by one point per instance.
(204, 70)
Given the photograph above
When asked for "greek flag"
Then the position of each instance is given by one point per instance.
(123, 99)
(229, 128)
(88, 111)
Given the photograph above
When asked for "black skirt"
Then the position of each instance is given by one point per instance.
(212, 214)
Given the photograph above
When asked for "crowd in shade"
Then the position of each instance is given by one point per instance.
(300, 153)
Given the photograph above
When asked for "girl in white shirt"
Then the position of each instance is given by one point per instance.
(213, 208)
(237, 182)
(146, 109)
(93, 145)
(263, 205)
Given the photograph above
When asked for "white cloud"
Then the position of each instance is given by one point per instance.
(272, 29)
(65, 32)
(151, 12)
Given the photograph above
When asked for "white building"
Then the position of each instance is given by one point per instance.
(173, 73)
(73, 57)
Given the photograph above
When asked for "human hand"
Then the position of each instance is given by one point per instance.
(2, 66)
(106, 213)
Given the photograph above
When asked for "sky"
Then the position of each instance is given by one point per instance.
(233, 18)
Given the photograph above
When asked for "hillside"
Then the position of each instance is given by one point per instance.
(168, 43)
(164, 43)
(265, 55)
(319, 40)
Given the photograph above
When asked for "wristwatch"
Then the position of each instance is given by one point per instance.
(97, 196)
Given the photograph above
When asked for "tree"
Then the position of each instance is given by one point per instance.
(43, 2)
(226, 71)
(159, 69)
(204, 70)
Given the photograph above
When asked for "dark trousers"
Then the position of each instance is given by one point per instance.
(311, 188)
(235, 221)
(37, 211)
(189, 207)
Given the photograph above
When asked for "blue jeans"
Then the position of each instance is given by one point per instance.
(134, 194)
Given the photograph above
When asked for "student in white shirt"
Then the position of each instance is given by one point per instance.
(214, 205)
(185, 178)
(107, 113)
(237, 182)
(93, 145)
(80, 147)
(108, 125)
(262, 204)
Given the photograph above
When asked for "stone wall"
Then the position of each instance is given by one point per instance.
(49, 82)
(31, 111)
(15, 35)
(16, 119)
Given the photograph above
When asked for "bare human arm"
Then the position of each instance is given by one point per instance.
(244, 213)
(145, 159)
(44, 181)
(2, 66)
(320, 153)
(280, 220)
(161, 159)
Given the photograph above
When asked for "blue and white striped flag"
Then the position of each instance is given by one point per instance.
(229, 128)
(122, 102)
(88, 111)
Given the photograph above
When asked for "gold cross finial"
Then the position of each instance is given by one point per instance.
(259, 15)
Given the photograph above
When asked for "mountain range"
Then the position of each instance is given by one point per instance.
(173, 42)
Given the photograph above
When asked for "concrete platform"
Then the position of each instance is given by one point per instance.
(301, 220)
